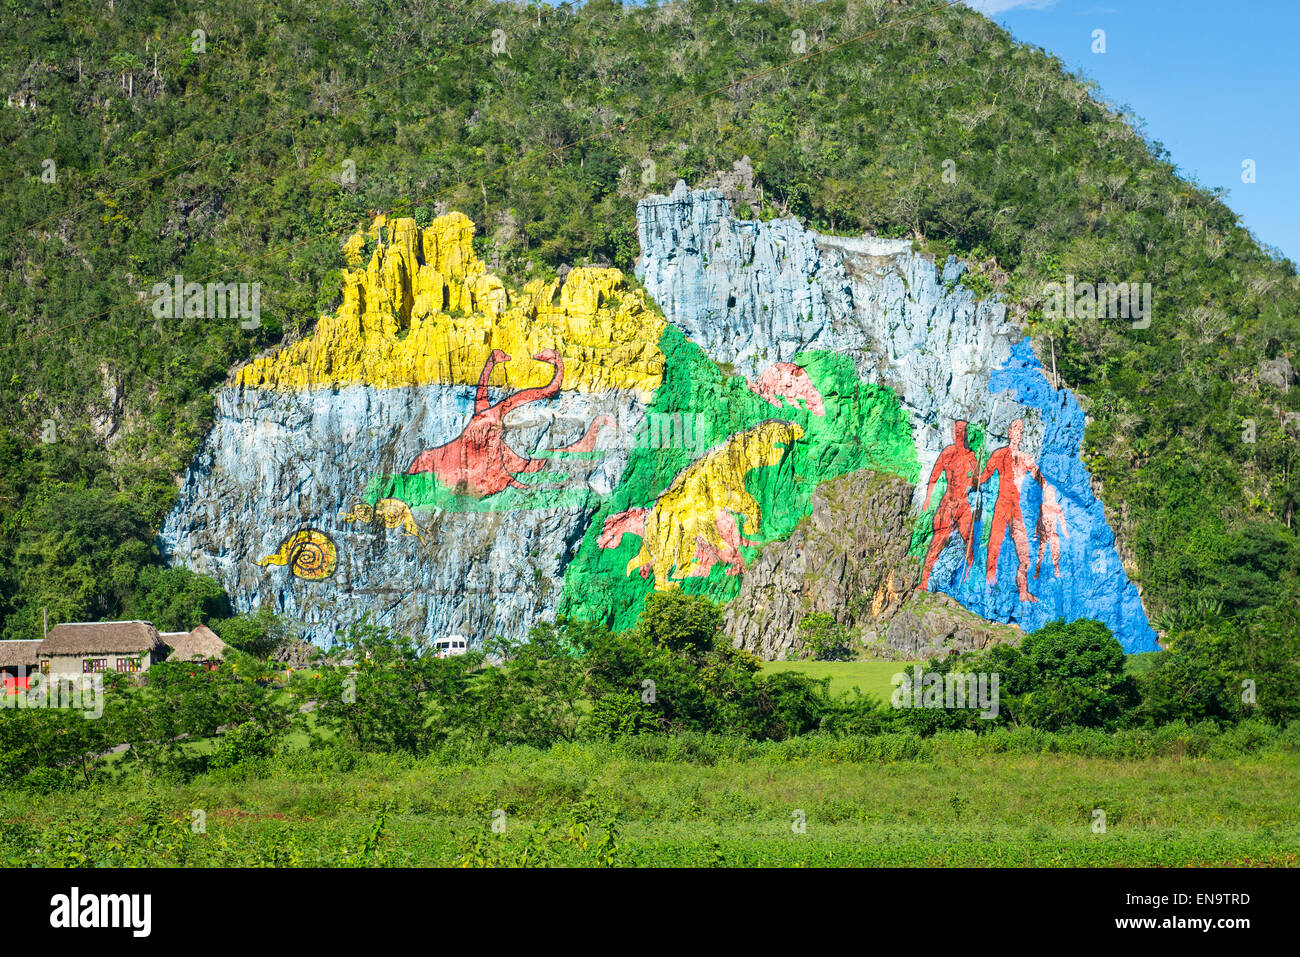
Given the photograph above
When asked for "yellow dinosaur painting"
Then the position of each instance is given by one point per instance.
(690, 528)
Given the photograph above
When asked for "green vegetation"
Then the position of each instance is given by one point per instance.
(1011, 798)
(659, 745)
(226, 163)
(870, 677)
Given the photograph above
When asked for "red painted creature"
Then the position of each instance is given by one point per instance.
(478, 462)
(958, 464)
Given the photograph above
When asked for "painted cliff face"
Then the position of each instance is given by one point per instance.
(1007, 522)
(451, 456)
(437, 445)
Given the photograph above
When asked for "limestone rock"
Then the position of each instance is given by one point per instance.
(848, 558)
(1277, 373)
(932, 625)
(757, 293)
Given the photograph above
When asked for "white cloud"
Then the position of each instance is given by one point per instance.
(990, 7)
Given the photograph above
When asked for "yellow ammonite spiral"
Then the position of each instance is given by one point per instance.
(309, 553)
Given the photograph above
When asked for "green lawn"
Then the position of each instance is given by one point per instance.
(875, 677)
(872, 677)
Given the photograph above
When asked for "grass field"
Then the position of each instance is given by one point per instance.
(942, 801)
(872, 677)
(875, 677)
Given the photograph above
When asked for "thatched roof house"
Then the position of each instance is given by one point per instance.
(84, 647)
(100, 637)
(197, 645)
(18, 654)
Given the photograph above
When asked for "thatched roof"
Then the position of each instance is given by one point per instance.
(15, 654)
(200, 643)
(100, 637)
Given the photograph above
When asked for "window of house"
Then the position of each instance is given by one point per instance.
(128, 664)
(93, 665)
(45, 666)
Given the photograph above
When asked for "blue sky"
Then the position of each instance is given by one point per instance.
(1216, 83)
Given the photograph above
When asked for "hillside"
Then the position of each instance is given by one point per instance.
(295, 149)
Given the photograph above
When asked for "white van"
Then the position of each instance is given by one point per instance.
(451, 645)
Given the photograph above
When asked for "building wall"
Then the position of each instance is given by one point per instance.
(72, 664)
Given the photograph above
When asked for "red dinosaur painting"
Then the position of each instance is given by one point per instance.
(478, 462)
(787, 381)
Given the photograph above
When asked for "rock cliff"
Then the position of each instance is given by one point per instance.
(849, 558)
(449, 455)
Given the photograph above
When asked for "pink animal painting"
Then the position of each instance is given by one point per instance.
(787, 381)
(728, 553)
(1050, 516)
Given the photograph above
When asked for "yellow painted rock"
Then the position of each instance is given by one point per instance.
(309, 553)
(425, 310)
(686, 510)
(391, 512)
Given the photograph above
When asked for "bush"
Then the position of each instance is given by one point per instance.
(825, 638)
(244, 742)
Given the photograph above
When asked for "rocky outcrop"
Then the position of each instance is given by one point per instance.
(445, 454)
(1277, 372)
(1021, 537)
(847, 558)
(932, 625)
(415, 356)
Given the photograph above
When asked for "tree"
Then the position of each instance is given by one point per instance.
(258, 635)
(375, 700)
(1068, 674)
(680, 622)
(177, 599)
(826, 638)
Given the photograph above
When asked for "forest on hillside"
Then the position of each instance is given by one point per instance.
(237, 143)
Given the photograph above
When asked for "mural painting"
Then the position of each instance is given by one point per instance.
(309, 553)
(416, 377)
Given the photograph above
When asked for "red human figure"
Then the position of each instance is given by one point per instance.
(1012, 466)
(958, 463)
(1048, 516)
